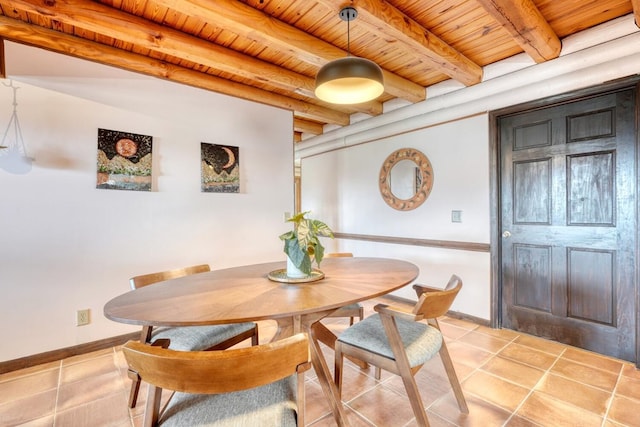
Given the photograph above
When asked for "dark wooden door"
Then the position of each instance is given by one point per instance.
(568, 199)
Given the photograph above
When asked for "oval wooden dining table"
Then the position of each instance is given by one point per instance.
(245, 293)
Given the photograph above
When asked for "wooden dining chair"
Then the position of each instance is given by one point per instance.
(260, 385)
(397, 341)
(189, 338)
(351, 310)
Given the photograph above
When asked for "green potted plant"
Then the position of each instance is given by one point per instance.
(302, 244)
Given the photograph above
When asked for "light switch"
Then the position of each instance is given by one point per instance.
(456, 216)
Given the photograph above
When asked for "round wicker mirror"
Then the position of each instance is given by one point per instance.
(406, 179)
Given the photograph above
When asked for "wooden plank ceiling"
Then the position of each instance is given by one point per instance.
(269, 51)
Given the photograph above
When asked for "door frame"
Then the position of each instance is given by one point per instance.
(495, 189)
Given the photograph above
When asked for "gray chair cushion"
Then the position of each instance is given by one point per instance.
(271, 405)
(194, 338)
(420, 340)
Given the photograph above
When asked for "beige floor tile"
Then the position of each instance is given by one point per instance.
(355, 381)
(578, 394)
(452, 332)
(316, 404)
(625, 411)
(88, 368)
(585, 374)
(481, 413)
(547, 346)
(528, 356)
(517, 421)
(352, 417)
(486, 342)
(434, 421)
(465, 324)
(549, 411)
(495, 390)
(87, 356)
(47, 421)
(29, 408)
(7, 376)
(505, 334)
(138, 421)
(516, 372)
(432, 382)
(21, 387)
(109, 411)
(90, 389)
(629, 387)
(383, 407)
(593, 359)
(630, 371)
(464, 354)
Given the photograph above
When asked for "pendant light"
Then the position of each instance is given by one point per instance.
(13, 154)
(349, 80)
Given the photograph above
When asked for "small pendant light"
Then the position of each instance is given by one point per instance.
(349, 80)
(13, 154)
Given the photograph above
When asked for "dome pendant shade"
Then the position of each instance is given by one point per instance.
(349, 80)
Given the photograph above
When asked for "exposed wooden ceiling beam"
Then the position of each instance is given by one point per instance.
(269, 31)
(636, 11)
(138, 31)
(307, 126)
(382, 18)
(525, 23)
(20, 32)
(157, 38)
(113, 23)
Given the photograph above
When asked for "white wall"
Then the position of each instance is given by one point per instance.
(341, 188)
(65, 245)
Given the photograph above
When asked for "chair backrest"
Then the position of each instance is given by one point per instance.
(222, 371)
(339, 255)
(149, 279)
(436, 302)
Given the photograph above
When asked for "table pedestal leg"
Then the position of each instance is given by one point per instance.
(286, 328)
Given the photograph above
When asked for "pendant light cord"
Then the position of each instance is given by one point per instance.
(348, 13)
(348, 37)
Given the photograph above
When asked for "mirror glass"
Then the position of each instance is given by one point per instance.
(406, 179)
(403, 179)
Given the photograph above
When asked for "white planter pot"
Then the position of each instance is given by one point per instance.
(293, 271)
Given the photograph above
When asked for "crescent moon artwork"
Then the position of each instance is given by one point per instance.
(220, 168)
(232, 158)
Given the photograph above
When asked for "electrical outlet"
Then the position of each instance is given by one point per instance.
(83, 317)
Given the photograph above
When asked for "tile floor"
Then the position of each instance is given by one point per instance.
(509, 379)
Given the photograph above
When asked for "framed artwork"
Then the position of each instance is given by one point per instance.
(220, 166)
(124, 160)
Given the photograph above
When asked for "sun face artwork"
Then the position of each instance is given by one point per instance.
(220, 166)
(124, 160)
